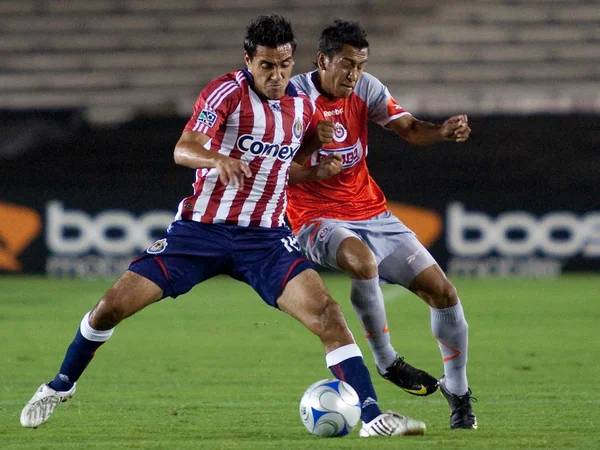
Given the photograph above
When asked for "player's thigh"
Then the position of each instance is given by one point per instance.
(408, 259)
(321, 241)
(304, 296)
(130, 294)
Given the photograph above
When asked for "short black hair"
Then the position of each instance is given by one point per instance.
(339, 33)
(270, 31)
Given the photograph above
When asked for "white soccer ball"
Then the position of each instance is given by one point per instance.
(330, 408)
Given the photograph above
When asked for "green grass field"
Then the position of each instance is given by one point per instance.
(217, 369)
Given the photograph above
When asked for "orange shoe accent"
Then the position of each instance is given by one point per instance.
(18, 227)
(425, 223)
(457, 352)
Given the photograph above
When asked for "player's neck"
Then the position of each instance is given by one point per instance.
(316, 79)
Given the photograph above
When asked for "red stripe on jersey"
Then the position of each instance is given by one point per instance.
(271, 184)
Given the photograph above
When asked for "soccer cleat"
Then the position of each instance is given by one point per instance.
(461, 415)
(412, 380)
(392, 424)
(42, 404)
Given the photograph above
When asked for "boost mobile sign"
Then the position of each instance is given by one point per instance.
(517, 234)
(101, 245)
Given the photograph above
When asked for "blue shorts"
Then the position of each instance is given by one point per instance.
(192, 252)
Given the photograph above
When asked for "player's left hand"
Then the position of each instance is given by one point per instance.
(456, 128)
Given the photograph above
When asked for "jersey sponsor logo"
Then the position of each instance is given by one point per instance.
(297, 129)
(158, 247)
(19, 226)
(207, 117)
(248, 144)
(339, 132)
(333, 112)
(350, 155)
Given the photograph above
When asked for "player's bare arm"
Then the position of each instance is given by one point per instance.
(313, 141)
(190, 151)
(419, 132)
(328, 166)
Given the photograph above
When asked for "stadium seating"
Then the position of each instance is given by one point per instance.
(116, 57)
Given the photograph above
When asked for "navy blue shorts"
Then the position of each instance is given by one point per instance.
(192, 252)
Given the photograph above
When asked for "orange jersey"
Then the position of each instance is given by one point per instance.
(351, 194)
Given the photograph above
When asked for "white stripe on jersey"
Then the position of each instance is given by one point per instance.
(266, 165)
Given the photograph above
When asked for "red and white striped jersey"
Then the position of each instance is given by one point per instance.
(263, 133)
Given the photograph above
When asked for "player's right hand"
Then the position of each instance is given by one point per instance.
(329, 166)
(325, 130)
(233, 171)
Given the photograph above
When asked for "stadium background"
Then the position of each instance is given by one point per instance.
(94, 94)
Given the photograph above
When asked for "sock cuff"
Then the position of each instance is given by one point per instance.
(93, 335)
(449, 315)
(343, 353)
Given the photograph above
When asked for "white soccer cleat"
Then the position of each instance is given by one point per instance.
(42, 404)
(392, 424)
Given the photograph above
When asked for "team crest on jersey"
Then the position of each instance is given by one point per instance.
(207, 117)
(158, 247)
(339, 132)
(298, 128)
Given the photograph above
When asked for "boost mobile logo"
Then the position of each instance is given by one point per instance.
(19, 226)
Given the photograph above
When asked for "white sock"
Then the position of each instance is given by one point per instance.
(450, 328)
(367, 300)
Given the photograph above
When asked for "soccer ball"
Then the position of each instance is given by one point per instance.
(330, 408)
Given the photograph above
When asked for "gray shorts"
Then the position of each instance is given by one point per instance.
(398, 253)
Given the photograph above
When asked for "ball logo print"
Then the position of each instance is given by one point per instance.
(330, 408)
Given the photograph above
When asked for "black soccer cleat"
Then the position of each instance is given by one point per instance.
(461, 415)
(412, 380)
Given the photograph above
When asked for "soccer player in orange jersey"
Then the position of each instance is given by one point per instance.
(340, 216)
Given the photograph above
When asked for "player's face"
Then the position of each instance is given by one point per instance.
(340, 73)
(271, 69)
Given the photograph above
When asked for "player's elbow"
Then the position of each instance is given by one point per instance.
(179, 156)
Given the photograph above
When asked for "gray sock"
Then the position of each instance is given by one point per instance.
(452, 332)
(367, 300)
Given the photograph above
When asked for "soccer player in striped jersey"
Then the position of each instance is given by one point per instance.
(342, 222)
(245, 129)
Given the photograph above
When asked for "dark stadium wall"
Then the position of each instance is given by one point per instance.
(521, 197)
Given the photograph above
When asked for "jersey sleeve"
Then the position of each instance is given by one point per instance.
(213, 106)
(382, 106)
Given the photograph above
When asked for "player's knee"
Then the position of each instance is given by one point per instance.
(445, 295)
(108, 312)
(362, 269)
(329, 319)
